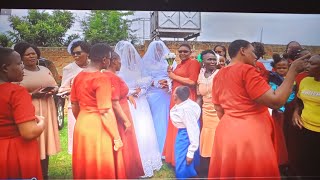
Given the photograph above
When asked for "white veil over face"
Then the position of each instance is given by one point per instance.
(155, 53)
(155, 64)
(130, 58)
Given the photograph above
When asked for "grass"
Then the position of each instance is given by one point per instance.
(60, 165)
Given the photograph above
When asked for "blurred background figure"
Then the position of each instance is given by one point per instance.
(260, 52)
(276, 78)
(222, 51)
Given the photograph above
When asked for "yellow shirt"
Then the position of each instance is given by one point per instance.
(309, 93)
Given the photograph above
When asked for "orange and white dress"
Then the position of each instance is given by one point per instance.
(209, 115)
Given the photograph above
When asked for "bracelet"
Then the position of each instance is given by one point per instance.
(117, 141)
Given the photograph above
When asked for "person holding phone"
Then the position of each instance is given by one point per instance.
(36, 78)
(245, 141)
(19, 127)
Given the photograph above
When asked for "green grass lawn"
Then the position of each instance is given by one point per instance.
(60, 165)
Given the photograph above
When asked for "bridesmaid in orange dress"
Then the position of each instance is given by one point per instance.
(210, 119)
(80, 52)
(131, 156)
(244, 143)
(186, 73)
(19, 127)
(96, 139)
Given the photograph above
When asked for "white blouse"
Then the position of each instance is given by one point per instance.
(186, 115)
(68, 74)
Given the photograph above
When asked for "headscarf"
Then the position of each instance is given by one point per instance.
(71, 43)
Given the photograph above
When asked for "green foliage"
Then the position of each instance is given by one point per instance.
(41, 28)
(71, 38)
(107, 26)
(5, 40)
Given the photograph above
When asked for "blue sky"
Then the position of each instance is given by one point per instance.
(226, 27)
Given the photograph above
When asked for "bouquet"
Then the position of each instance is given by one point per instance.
(170, 57)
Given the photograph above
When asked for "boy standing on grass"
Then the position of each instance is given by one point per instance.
(184, 116)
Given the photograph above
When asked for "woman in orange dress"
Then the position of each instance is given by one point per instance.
(36, 77)
(210, 119)
(80, 52)
(96, 140)
(244, 143)
(131, 156)
(186, 73)
(19, 127)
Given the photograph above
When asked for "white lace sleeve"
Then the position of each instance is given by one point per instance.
(144, 82)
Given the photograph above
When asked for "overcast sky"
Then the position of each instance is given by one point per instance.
(226, 27)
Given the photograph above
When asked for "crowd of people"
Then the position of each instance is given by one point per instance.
(220, 114)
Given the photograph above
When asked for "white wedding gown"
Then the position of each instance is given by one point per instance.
(143, 123)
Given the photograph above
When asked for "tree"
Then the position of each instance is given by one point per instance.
(5, 40)
(41, 28)
(107, 26)
(71, 38)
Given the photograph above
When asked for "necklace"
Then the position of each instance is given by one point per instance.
(208, 73)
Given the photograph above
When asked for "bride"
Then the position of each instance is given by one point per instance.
(138, 84)
(158, 95)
